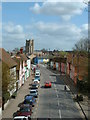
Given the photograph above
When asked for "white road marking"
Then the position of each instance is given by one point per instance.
(56, 90)
(50, 77)
(58, 103)
(57, 95)
(60, 113)
(54, 85)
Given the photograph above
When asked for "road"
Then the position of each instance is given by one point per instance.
(54, 102)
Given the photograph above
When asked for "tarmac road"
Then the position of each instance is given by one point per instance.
(54, 102)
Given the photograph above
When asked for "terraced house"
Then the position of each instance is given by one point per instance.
(77, 67)
(22, 69)
(8, 76)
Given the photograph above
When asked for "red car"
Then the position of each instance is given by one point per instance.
(25, 110)
(48, 84)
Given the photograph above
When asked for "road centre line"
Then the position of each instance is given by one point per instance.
(60, 113)
(50, 77)
(56, 90)
(58, 103)
(57, 95)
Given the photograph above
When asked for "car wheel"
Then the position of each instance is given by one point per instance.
(32, 105)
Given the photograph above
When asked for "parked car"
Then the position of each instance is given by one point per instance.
(37, 72)
(25, 110)
(30, 100)
(36, 81)
(47, 84)
(37, 77)
(21, 118)
(34, 86)
(34, 93)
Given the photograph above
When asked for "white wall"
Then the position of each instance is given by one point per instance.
(0, 113)
(29, 63)
(56, 66)
(13, 74)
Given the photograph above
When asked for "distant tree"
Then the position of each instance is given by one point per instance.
(44, 50)
(83, 45)
(16, 50)
(63, 53)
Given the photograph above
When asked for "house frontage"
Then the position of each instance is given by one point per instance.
(9, 66)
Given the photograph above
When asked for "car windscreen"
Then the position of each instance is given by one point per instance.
(25, 109)
(32, 91)
(20, 119)
(36, 76)
(34, 85)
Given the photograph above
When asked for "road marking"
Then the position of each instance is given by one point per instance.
(60, 113)
(50, 77)
(57, 95)
(56, 90)
(58, 103)
(54, 85)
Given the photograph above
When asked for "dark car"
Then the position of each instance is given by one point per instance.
(34, 86)
(34, 93)
(37, 77)
(25, 110)
(29, 100)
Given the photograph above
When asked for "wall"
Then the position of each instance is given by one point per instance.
(29, 67)
(51, 64)
(20, 75)
(13, 75)
(63, 69)
(56, 66)
(0, 108)
(72, 72)
(0, 113)
(40, 61)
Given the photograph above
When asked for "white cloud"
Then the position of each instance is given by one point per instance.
(42, 0)
(56, 35)
(13, 29)
(12, 34)
(64, 10)
(58, 29)
(0, 7)
(84, 30)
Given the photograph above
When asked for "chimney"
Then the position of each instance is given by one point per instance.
(21, 50)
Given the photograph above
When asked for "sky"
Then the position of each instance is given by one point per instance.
(52, 25)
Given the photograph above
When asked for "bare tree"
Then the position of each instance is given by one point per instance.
(82, 45)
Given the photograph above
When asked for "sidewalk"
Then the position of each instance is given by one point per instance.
(13, 103)
(84, 105)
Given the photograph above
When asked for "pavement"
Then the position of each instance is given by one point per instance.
(84, 105)
(13, 103)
